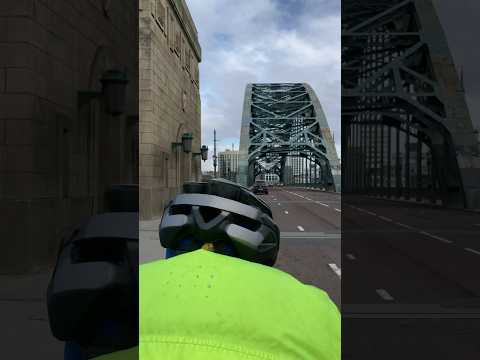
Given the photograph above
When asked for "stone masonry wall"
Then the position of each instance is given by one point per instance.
(50, 50)
(169, 102)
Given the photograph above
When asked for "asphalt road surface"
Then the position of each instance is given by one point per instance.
(410, 282)
(415, 255)
(309, 222)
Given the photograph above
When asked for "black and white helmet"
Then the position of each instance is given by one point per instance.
(224, 214)
(92, 297)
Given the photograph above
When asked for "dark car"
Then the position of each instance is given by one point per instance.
(260, 188)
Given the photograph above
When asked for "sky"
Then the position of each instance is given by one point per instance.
(460, 23)
(264, 41)
(297, 41)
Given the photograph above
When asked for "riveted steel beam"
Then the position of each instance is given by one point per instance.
(284, 132)
(398, 74)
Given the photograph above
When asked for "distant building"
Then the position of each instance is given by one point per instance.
(169, 54)
(228, 164)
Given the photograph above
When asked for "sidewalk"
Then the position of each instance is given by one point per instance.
(150, 248)
(25, 330)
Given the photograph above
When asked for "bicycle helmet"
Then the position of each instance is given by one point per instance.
(92, 297)
(224, 214)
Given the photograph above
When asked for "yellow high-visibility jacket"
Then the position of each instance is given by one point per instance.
(206, 306)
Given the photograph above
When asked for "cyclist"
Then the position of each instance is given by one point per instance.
(217, 296)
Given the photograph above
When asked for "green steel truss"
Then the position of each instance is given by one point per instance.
(285, 132)
(406, 130)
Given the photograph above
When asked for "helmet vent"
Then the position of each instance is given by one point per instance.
(209, 213)
(245, 222)
(180, 209)
(99, 249)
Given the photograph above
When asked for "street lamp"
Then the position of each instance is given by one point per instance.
(203, 153)
(186, 143)
(187, 140)
(114, 89)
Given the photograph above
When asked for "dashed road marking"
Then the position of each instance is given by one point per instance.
(286, 212)
(300, 228)
(351, 257)
(436, 237)
(405, 226)
(279, 204)
(385, 218)
(473, 251)
(338, 210)
(336, 269)
(318, 202)
(370, 213)
(384, 294)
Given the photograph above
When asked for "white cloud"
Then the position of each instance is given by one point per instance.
(264, 41)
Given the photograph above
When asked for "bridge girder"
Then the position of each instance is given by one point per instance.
(403, 105)
(283, 123)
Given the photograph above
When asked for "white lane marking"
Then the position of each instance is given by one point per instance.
(300, 228)
(473, 251)
(336, 269)
(338, 210)
(318, 202)
(436, 237)
(384, 294)
(274, 199)
(279, 204)
(385, 218)
(308, 199)
(286, 212)
(370, 213)
(351, 257)
(405, 226)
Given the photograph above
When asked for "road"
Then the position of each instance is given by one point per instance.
(410, 270)
(410, 254)
(309, 222)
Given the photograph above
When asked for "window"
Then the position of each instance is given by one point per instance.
(188, 60)
(177, 46)
(171, 30)
(184, 100)
(160, 14)
(153, 9)
(195, 73)
(184, 53)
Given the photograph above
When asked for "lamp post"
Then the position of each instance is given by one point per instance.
(214, 153)
(203, 153)
(114, 90)
(186, 144)
(187, 140)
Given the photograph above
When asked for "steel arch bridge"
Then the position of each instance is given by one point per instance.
(285, 132)
(406, 130)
